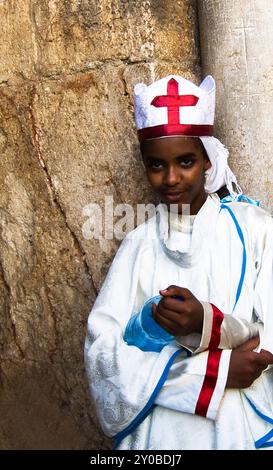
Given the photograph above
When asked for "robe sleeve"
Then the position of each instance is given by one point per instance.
(197, 384)
(220, 331)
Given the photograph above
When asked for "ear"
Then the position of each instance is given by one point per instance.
(207, 164)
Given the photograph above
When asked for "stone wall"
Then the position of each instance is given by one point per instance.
(67, 139)
(236, 48)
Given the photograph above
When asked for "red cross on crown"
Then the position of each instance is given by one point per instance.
(189, 113)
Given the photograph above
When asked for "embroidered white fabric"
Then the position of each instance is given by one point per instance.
(122, 378)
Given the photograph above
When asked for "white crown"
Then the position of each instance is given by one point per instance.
(174, 106)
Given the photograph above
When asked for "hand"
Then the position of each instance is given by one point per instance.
(246, 365)
(179, 317)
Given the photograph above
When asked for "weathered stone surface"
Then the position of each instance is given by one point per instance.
(47, 292)
(17, 42)
(176, 32)
(236, 45)
(67, 139)
(56, 37)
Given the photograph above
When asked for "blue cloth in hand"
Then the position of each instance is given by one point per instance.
(144, 332)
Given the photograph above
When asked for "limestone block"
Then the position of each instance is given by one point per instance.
(236, 38)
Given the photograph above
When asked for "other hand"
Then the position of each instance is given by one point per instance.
(246, 365)
(179, 317)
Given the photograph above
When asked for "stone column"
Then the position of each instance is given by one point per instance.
(236, 39)
(67, 139)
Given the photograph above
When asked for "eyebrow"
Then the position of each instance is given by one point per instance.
(184, 155)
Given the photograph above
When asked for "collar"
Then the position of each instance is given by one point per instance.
(202, 228)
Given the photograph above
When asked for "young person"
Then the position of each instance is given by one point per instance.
(207, 277)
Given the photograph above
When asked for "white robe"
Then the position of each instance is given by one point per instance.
(147, 400)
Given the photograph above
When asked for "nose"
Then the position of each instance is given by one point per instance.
(171, 176)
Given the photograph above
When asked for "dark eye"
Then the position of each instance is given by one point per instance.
(186, 162)
(154, 165)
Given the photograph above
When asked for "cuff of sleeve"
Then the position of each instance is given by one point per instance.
(207, 327)
(219, 390)
(197, 343)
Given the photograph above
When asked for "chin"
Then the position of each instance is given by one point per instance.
(177, 207)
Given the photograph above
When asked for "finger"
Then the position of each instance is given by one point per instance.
(264, 358)
(172, 304)
(166, 324)
(250, 344)
(161, 319)
(176, 290)
(169, 314)
(154, 308)
(267, 355)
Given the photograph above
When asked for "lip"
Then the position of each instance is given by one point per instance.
(173, 195)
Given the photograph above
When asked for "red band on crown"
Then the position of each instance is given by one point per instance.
(168, 130)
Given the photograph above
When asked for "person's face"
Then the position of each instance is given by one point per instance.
(175, 168)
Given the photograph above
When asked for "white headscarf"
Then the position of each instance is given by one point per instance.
(219, 174)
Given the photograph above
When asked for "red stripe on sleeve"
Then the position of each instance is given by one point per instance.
(218, 317)
(209, 382)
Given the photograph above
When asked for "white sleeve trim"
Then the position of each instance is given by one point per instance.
(196, 342)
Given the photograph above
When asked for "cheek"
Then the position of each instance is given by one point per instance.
(154, 179)
(196, 179)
